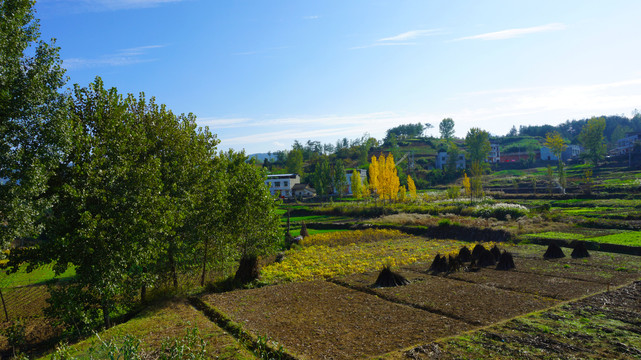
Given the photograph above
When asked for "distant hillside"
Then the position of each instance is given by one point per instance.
(260, 157)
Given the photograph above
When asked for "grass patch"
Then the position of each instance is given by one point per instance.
(556, 235)
(169, 320)
(628, 238)
(38, 276)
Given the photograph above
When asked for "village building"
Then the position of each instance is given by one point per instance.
(626, 145)
(441, 160)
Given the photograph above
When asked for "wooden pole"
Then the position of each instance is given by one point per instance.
(4, 306)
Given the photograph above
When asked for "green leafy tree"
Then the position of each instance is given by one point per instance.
(339, 181)
(321, 178)
(592, 139)
(295, 162)
(446, 128)
(478, 145)
(30, 116)
(452, 156)
(252, 219)
(109, 211)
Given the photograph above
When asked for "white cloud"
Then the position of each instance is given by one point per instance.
(503, 108)
(409, 35)
(219, 123)
(400, 39)
(120, 58)
(311, 17)
(512, 33)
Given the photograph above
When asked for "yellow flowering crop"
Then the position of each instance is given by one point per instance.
(352, 237)
(322, 262)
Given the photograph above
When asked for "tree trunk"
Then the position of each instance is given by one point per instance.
(105, 313)
(202, 276)
(172, 262)
(4, 306)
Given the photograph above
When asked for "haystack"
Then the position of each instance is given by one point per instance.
(464, 255)
(485, 259)
(388, 278)
(506, 261)
(247, 269)
(496, 252)
(439, 264)
(454, 264)
(476, 252)
(553, 252)
(580, 250)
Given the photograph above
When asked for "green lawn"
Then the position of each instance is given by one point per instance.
(38, 276)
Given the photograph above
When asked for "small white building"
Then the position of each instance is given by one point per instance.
(441, 160)
(495, 154)
(282, 184)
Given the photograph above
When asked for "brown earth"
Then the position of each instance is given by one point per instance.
(473, 303)
(321, 320)
(602, 326)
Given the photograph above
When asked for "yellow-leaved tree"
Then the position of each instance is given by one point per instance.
(467, 185)
(357, 185)
(394, 182)
(411, 187)
(373, 176)
(402, 194)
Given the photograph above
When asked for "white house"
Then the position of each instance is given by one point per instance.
(495, 154)
(282, 183)
(441, 160)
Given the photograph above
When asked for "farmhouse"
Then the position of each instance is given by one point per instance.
(303, 191)
(626, 145)
(571, 152)
(441, 160)
(282, 184)
(495, 154)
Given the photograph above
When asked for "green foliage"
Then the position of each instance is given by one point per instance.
(128, 347)
(322, 179)
(478, 145)
(30, 120)
(295, 162)
(453, 192)
(339, 181)
(500, 211)
(446, 128)
(407, 130)
(15, 334)
(592, 139)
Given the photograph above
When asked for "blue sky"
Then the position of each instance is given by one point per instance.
(262, 74)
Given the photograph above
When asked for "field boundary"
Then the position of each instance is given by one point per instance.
(251, 342)
(453, 231)
(591, 245)
(400, 302)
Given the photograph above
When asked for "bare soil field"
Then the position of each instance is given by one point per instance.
(318, 320)
(603, 326)
(475, 304)
(347, 318)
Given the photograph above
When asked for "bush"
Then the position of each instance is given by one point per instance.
(500, 211)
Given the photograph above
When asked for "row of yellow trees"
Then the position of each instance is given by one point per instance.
(383, 181)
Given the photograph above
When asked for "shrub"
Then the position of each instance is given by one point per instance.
(500, 211)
